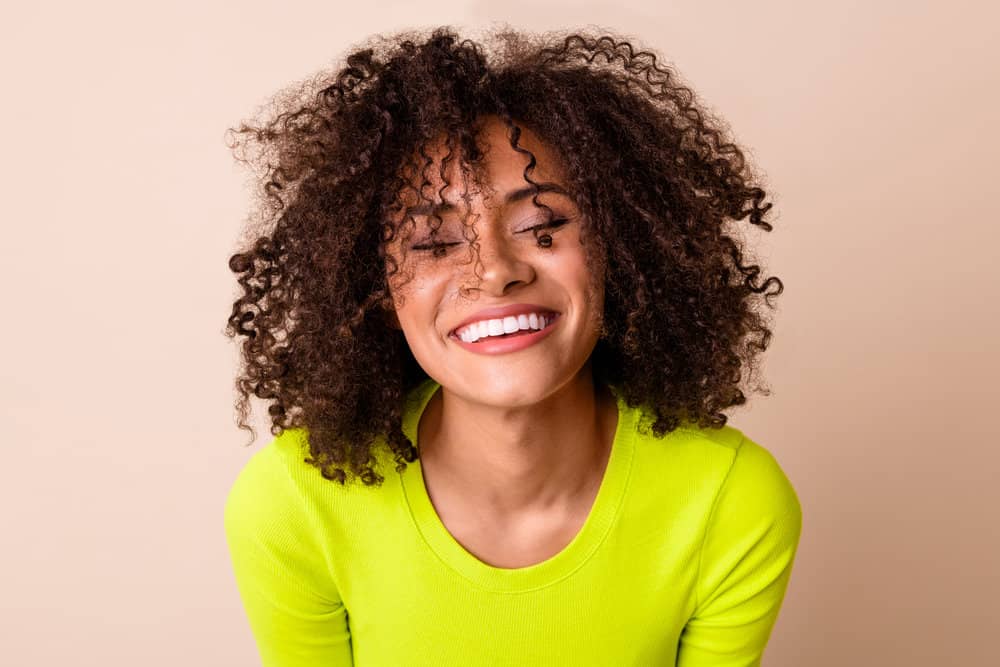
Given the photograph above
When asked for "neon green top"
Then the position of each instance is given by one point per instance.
(683, 560)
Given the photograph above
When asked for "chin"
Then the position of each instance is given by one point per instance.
(514, 391)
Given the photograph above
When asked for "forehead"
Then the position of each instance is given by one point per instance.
(499, 174)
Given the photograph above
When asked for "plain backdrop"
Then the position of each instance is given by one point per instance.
(875, 124)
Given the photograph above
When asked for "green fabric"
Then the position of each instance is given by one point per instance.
(684, 560)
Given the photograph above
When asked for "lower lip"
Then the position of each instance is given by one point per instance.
(493, 345)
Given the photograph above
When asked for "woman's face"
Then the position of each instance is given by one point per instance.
(445, 295)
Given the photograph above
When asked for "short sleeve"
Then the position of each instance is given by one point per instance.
(746, 563)
(294, 610)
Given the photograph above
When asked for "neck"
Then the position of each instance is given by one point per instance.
(519, 461)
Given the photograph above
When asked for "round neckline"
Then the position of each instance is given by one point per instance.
(573, 556)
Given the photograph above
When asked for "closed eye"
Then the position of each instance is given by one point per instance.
(432, 246)
(554, 224)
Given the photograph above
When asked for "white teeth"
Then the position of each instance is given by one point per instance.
(499, 327)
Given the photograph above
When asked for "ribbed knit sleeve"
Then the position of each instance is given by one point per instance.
(295, 612)
(745, 564)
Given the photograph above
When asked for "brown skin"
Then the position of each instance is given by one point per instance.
(496, 530)
(659, 188)
(517, 437)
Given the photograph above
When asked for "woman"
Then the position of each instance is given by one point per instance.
(508, 268)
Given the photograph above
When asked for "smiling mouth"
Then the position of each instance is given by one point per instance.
(551, 315)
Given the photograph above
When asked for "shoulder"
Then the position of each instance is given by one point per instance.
(276, 486)
(729, 469)
(751, 532)
(742, 465)
(269, 466)
(756, 474)
(264, 493)
(273, 530)
(754, 493)
(717, 468)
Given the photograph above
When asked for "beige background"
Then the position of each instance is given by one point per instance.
(875, 124)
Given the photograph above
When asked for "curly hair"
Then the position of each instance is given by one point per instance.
(656, 176)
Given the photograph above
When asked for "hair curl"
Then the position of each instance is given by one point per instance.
(653, 172)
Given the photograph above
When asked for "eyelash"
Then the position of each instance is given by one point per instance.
(434, 247)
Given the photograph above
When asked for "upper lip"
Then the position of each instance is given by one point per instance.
(504, 311)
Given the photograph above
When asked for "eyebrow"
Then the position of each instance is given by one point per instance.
(513, 196)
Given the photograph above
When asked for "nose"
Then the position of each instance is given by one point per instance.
(503, 265)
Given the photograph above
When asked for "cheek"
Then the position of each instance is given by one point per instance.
(594, 288)
(418, 304)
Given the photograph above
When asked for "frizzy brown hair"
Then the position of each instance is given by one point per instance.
(653, 172)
